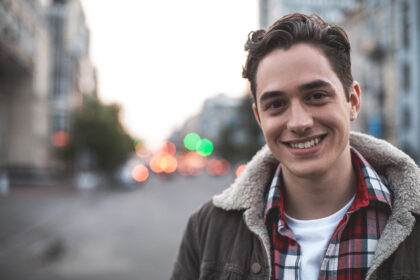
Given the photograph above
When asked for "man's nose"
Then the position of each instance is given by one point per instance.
(300, 120)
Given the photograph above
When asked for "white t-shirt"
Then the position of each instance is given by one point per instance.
(313, 237)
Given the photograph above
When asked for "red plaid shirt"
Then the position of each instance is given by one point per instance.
(353, 243)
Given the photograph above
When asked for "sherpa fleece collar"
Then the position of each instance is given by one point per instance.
(401, 172)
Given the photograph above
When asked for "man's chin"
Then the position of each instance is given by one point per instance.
(310, 169)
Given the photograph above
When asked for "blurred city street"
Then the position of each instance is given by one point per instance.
(61, 233)
(150, 94)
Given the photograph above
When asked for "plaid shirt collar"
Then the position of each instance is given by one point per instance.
(370, 189)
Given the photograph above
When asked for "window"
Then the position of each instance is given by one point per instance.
(406, 81)
(406, 118)
(405, 25)
(59, 123)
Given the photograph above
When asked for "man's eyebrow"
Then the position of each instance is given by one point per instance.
(314, 84)
(270, 94)
(308, 86)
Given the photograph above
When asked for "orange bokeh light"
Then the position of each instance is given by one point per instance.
(218, 167)
(155, 164)
(169, 164)
(191, 164)
(141, 150)
(60, 138)
(142, 154)
(163, 163)
(140, 173)
(240, 169)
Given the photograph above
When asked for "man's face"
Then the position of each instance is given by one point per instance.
(303, 112)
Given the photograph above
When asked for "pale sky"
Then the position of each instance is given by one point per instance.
(161, 59)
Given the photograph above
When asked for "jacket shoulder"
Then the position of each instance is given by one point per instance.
(405, 262)
(209, 218)
(210, 245)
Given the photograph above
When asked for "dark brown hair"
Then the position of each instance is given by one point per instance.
(295, 28)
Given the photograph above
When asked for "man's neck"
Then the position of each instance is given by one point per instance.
(321, 195)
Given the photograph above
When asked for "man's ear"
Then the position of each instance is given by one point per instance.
(355, 100)
(256, 115)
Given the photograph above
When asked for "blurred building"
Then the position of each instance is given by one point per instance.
(408, 73)
(330, 10)
(229, 123)
(217, 112)
(73, 75)
(44, 71)
(386, 59)
(24, 88)
(385, 40)
(373, 35)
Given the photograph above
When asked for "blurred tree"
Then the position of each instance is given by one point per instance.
(97, 138)
(241, 139)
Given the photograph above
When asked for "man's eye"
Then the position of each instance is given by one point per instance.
(317, 96)
(275, 104)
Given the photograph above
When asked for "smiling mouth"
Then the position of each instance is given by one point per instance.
(307, 144)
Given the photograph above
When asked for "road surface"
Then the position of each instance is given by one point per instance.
(124, 234)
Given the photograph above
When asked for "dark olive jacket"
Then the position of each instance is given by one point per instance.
(227, 239)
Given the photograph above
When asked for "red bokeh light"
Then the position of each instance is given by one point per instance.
(140, 173)
(168, 148)
(218, 167)
(60, 138)
(240, 169)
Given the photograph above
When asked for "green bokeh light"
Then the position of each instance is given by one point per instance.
(204, 147)
(191, 140)
(137, 142)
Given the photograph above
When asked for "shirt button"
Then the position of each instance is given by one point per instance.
(256, 268)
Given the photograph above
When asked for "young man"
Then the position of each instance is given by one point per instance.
(318, 202)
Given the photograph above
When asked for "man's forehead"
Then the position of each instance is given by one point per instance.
(301, 66)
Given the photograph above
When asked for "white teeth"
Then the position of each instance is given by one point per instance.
(307, 144)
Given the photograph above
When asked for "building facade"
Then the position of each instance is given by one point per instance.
(24, 88)
(331, 10)
(216, 113)
(386, 58)
(408, 73)
(45, 70)
(229, 123)
(73, 75)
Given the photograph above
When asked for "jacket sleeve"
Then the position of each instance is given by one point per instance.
(187, 265)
